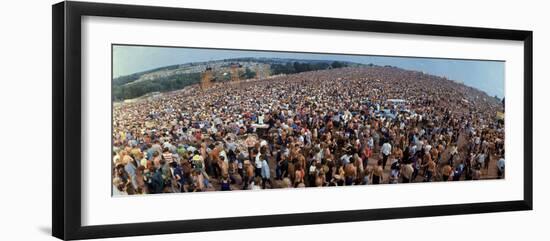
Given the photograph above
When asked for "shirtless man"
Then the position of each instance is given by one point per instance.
(398, 154)
(234, 175)
(406, 173)
(430, 170)
(198, 181)
(248, 174)
(366, 175)
(299, 175)
(350, 173)
(224, 166)
(250, 144)
(338, 176)
(446, 171)
(302, 160)
(378, 173)
(320, 179)
(214, 157)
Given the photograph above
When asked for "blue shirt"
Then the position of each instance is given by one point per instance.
(266, 173)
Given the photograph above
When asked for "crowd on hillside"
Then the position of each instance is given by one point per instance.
(337, 127)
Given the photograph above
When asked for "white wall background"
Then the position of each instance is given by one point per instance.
(25, 120)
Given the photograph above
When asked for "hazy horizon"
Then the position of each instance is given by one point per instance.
(485, 75)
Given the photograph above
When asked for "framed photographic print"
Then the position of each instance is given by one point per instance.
(170, 120)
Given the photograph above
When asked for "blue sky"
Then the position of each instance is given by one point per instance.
(485, 75)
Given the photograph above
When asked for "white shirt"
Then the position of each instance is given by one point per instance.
(263, 143)
(345, 159)
(258, 162)
(500, 164)
(370, 142)
(225, 159)
(386, 149)
(481, 158)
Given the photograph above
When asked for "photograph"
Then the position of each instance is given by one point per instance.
(215, 120)
(190, 119)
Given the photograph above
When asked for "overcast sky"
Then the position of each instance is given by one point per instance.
(484, 75)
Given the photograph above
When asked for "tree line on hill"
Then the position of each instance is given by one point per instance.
(298, 67)
(123, 89)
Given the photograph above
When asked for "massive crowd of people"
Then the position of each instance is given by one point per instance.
(337, 127)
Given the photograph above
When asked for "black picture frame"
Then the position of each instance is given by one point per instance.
(67, 136)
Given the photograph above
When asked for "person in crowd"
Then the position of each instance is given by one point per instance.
(265, 172)
(386, 151)
(446, 173)
(500, 168)
(406, 173)
(225, 183)
(429, 168)
(378, 173)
